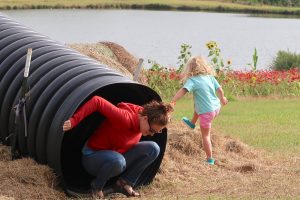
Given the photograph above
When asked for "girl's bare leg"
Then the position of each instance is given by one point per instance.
(191, 123)
(195, 118)
(206, 139)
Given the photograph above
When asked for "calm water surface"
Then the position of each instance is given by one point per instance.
(157, 35)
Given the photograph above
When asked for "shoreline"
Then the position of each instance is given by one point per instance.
(221, 8)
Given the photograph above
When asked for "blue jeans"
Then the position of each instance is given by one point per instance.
(105, 164)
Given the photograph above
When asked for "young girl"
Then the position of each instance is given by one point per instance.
(201, 82)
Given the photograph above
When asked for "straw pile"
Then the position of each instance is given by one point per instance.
(25, 179)
(240, 172)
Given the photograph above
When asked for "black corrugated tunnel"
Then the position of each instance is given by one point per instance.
(61, 80)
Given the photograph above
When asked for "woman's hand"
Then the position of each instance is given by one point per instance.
(67, 125)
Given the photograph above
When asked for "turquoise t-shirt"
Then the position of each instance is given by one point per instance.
(204, 89)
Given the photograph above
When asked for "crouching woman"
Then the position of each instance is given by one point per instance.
(115, 148)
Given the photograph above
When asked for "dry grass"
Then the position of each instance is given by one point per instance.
(25, 179)
(240, 172)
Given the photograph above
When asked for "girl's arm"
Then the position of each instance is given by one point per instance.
(179, 94)
(221, 96)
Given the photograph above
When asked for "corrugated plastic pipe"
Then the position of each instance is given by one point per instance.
(61, 80)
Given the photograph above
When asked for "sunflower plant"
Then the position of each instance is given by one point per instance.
(185, 54)
(216, 58)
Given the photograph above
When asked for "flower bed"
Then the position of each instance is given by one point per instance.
(235, 83)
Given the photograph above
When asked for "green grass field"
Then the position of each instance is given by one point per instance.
(271, 124)
(214, 5)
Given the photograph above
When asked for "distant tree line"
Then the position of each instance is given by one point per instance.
(291, 3)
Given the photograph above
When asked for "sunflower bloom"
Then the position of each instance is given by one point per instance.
(211, 45)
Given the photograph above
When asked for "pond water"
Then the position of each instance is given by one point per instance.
(158, 35)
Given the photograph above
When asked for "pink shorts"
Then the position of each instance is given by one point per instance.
(207, 118)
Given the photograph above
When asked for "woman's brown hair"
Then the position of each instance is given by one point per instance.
(157, 112)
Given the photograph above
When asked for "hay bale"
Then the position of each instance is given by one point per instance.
(103, 55)
(124, 57)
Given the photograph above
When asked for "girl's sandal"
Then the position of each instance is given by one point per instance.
(123, 187)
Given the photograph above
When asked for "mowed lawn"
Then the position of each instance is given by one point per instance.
(271, 124)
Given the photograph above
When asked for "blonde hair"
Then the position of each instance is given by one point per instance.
(198, 65)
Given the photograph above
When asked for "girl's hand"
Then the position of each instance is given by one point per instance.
(67, 125)
(173, 103)
(224, 101)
